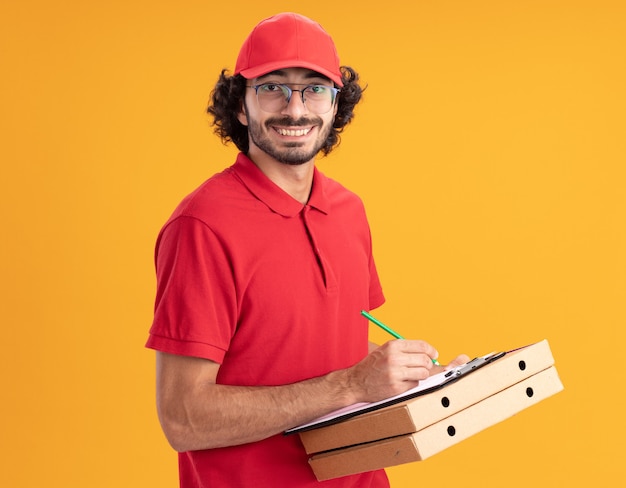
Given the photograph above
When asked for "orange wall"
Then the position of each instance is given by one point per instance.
(489, 150)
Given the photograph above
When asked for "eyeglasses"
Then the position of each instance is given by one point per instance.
(274, 97)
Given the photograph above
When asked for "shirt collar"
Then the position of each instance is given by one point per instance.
(275, 197)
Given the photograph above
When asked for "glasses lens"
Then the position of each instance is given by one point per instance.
(318, 98)
(274, 97)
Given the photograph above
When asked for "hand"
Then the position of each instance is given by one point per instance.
(391, 369)
(457, 361)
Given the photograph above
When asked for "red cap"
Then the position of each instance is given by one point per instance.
(288, 40)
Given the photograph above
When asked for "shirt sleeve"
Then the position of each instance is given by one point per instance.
(195, 310)
(376, 296)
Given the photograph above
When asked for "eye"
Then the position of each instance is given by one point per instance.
(317, 89)
(270, 87)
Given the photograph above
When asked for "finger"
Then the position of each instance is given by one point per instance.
(416, 347)
(458, 361)
(416, 374)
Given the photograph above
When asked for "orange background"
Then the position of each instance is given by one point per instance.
(489, 151)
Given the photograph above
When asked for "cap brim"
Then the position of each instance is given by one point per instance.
(266, 68)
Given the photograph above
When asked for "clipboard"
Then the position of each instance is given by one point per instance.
(429, 385)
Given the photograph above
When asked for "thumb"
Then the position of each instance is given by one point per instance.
(458, 361)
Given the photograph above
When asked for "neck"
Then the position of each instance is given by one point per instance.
(295, 180)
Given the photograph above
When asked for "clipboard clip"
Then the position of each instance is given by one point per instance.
(473, 364)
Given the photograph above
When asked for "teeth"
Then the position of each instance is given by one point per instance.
(292, 132)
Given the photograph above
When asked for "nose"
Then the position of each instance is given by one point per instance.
(296, 106)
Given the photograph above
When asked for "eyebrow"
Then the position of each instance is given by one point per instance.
(310, 74)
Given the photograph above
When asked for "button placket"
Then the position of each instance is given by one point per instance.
(327, 275)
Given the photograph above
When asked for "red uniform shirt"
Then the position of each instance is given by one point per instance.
(271, 289)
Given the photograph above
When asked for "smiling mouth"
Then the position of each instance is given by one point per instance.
(293, 132)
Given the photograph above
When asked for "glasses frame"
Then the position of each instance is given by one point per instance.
(284, 87)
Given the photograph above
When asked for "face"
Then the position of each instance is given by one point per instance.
(293, 135)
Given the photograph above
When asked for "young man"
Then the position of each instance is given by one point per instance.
(262, 273)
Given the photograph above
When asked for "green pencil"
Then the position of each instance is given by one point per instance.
(388, 329)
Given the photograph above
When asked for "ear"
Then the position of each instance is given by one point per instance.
(242, 115)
